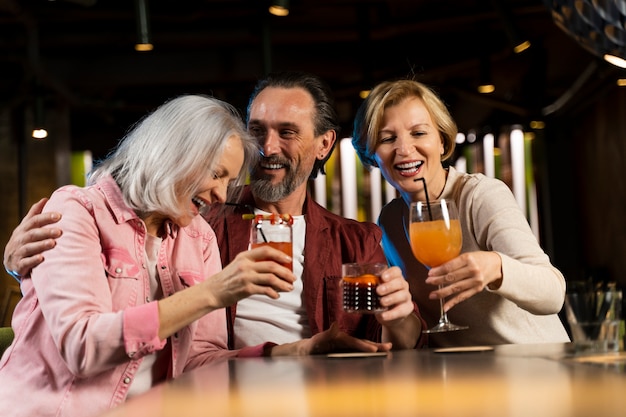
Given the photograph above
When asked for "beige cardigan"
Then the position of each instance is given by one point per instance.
(525, 307)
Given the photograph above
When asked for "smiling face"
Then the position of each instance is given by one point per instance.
(282, 120)
(409, 147)
(213, 188)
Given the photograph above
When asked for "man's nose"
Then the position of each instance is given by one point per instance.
(271, 144)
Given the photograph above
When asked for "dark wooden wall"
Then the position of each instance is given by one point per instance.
(586, 159)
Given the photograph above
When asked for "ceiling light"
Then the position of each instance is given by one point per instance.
(621, 82)
(518, 42)
(279, 7)
(521, 47)
(537, 124)
(40, 133)
(144, 43)
(39, 130)
(615, 60)
(485, 86)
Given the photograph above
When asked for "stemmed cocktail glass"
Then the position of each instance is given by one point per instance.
(436, 238)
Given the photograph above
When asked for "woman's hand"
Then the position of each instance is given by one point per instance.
(465, 276)
(30, 239)
(255, 271)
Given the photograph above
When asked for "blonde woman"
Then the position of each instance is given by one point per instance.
(503, 285)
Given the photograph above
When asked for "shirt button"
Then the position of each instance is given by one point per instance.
(127, 380)
(118, 270)
(163, 266)
(147, 299)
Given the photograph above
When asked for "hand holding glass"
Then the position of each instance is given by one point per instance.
(436, 238)
(359, 283)
(273, 230)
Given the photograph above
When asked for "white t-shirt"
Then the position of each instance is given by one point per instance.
(261, 319)
(143, 378)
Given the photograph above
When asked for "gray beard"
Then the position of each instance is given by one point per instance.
(264, 190)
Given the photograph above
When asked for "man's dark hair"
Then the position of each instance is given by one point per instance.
(326, 116)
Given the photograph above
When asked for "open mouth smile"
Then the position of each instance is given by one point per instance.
(271, 164)
(409, 168)
(202, 205)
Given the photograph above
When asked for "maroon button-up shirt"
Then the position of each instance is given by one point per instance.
(330, 241)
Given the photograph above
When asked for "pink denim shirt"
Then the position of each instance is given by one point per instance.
(85, 321)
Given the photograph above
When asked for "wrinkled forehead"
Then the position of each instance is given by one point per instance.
(276, 105)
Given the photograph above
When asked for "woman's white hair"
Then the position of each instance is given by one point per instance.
(167, 154)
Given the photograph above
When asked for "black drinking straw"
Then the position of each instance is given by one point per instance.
(430, 214)
(260, 227)
(249, 216)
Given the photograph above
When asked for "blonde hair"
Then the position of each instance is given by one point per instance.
(170, 151)
(369, 117)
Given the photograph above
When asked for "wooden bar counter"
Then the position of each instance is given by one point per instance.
(511, 380)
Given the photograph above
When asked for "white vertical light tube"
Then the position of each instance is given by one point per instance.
(320, 189)
(489, 164)
(461, 164)
(517, 167)
(376, 199)
(348, 179)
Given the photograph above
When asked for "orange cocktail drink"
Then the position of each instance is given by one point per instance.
(436, 242)
(273, 230)
(359, 285)
(436, 238)
(286, 247)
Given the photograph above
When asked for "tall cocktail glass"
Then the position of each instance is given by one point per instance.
(436, 238)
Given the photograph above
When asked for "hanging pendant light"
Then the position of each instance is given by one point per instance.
(485, 85)
(144, 42)
(39, 129)
(279, 7)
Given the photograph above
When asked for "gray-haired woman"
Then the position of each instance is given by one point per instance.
(133, 292)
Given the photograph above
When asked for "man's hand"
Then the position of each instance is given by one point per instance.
(30, 239)
(328, 341)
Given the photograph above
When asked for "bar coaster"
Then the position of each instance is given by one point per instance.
(463, 349)
(356, 354)
(606, 358)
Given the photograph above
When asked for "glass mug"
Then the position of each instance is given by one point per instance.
(359, 282)
(273, 230)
